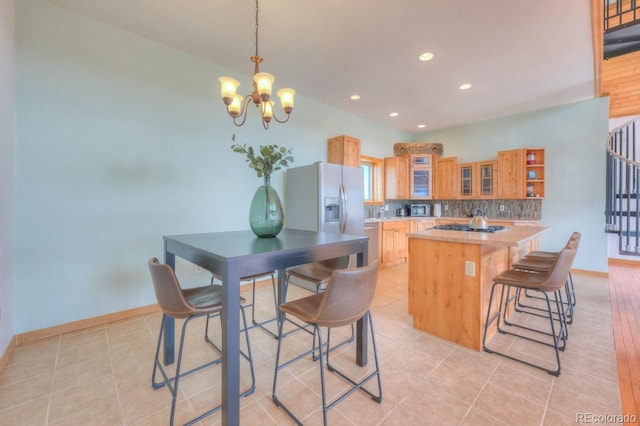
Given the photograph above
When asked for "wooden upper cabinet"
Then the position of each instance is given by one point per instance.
(396, 177)
(477, 180)
(421, 176)
(344, 150)
(445, 178)
(521, 173)
(511, 174)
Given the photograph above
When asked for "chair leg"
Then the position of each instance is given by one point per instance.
(323, 357)
(246, 356)
(560, 336)
(172, 383)
(261, 324)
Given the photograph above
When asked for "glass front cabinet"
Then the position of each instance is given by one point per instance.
(421, 176)
(477, 180)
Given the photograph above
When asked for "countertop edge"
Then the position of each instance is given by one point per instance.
(512, 237)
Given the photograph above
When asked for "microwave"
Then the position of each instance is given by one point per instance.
(420, 210)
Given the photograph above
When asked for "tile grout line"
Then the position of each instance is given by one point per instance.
(55, 366)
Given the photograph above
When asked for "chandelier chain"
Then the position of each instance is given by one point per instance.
(257, 28)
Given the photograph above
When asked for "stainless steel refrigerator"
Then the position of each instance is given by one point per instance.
(325, 197)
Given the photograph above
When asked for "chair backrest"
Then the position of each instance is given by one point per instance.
(348, 296)
(574, 240)
(168, 291)
(341, 262)
(560, 271)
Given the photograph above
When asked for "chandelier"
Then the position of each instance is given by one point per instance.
(237, 106)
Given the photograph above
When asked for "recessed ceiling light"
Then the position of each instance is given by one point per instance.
(421, 126)
(393, 114)
(465, 86)
(426, 56)
(355, 97)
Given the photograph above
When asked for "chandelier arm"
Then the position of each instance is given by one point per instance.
(275, 117)
(243, 111)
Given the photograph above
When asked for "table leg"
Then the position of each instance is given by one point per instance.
(362, 326)
(169, 322)
(231, 346)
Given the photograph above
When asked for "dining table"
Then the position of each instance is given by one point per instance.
(235, 254)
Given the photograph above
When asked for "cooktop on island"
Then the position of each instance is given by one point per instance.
(460, 227)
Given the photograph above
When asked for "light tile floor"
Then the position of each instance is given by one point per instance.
(101, 376)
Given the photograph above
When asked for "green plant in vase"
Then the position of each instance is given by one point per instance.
(266, 216)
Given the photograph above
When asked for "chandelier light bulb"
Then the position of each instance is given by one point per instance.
(264, 83)
(228, 88)
(286, 99)
(235, 106)
(267, 110)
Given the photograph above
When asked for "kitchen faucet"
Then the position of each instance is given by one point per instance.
(380, 212)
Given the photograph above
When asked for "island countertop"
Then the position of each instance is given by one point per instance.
(512, 236)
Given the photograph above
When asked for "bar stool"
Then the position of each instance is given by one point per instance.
(317, 275)
(543, 261)
(347, 298)
(547, 283)
(188, 304)
(253, 279)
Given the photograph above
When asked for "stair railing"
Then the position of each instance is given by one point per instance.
(623, 186)
(620, 14)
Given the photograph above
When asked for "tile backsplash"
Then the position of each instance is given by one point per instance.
(513, 209)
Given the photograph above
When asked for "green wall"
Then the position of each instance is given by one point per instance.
(121, 141)
(574, 139)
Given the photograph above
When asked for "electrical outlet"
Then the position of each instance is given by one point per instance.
(501, 207)
(469, 268)
(446, 207)
(386, 207)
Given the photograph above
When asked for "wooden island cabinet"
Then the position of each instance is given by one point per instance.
(450, 278)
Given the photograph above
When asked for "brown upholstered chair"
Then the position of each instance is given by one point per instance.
(542, 262)
(346, 299)
(187, 304)
(547, 283)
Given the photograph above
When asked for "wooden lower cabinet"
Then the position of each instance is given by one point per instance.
(394, 241)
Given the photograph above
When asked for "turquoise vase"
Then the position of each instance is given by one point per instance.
(265, 215)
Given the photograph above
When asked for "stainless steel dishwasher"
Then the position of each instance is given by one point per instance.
(371, 230)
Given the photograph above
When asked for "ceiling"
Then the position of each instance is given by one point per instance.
(518, 55)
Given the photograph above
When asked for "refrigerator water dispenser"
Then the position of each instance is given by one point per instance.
(331, 209)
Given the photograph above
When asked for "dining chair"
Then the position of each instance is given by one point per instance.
(346, 299)
(315, 276)
(188, 304)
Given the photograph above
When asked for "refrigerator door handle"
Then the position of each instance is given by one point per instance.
(345, 210)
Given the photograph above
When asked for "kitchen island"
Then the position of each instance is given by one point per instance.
(450, 277)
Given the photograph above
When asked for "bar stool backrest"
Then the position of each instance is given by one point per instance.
(341, 262)
(168, 292)
(348, 296)
(560, 271)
